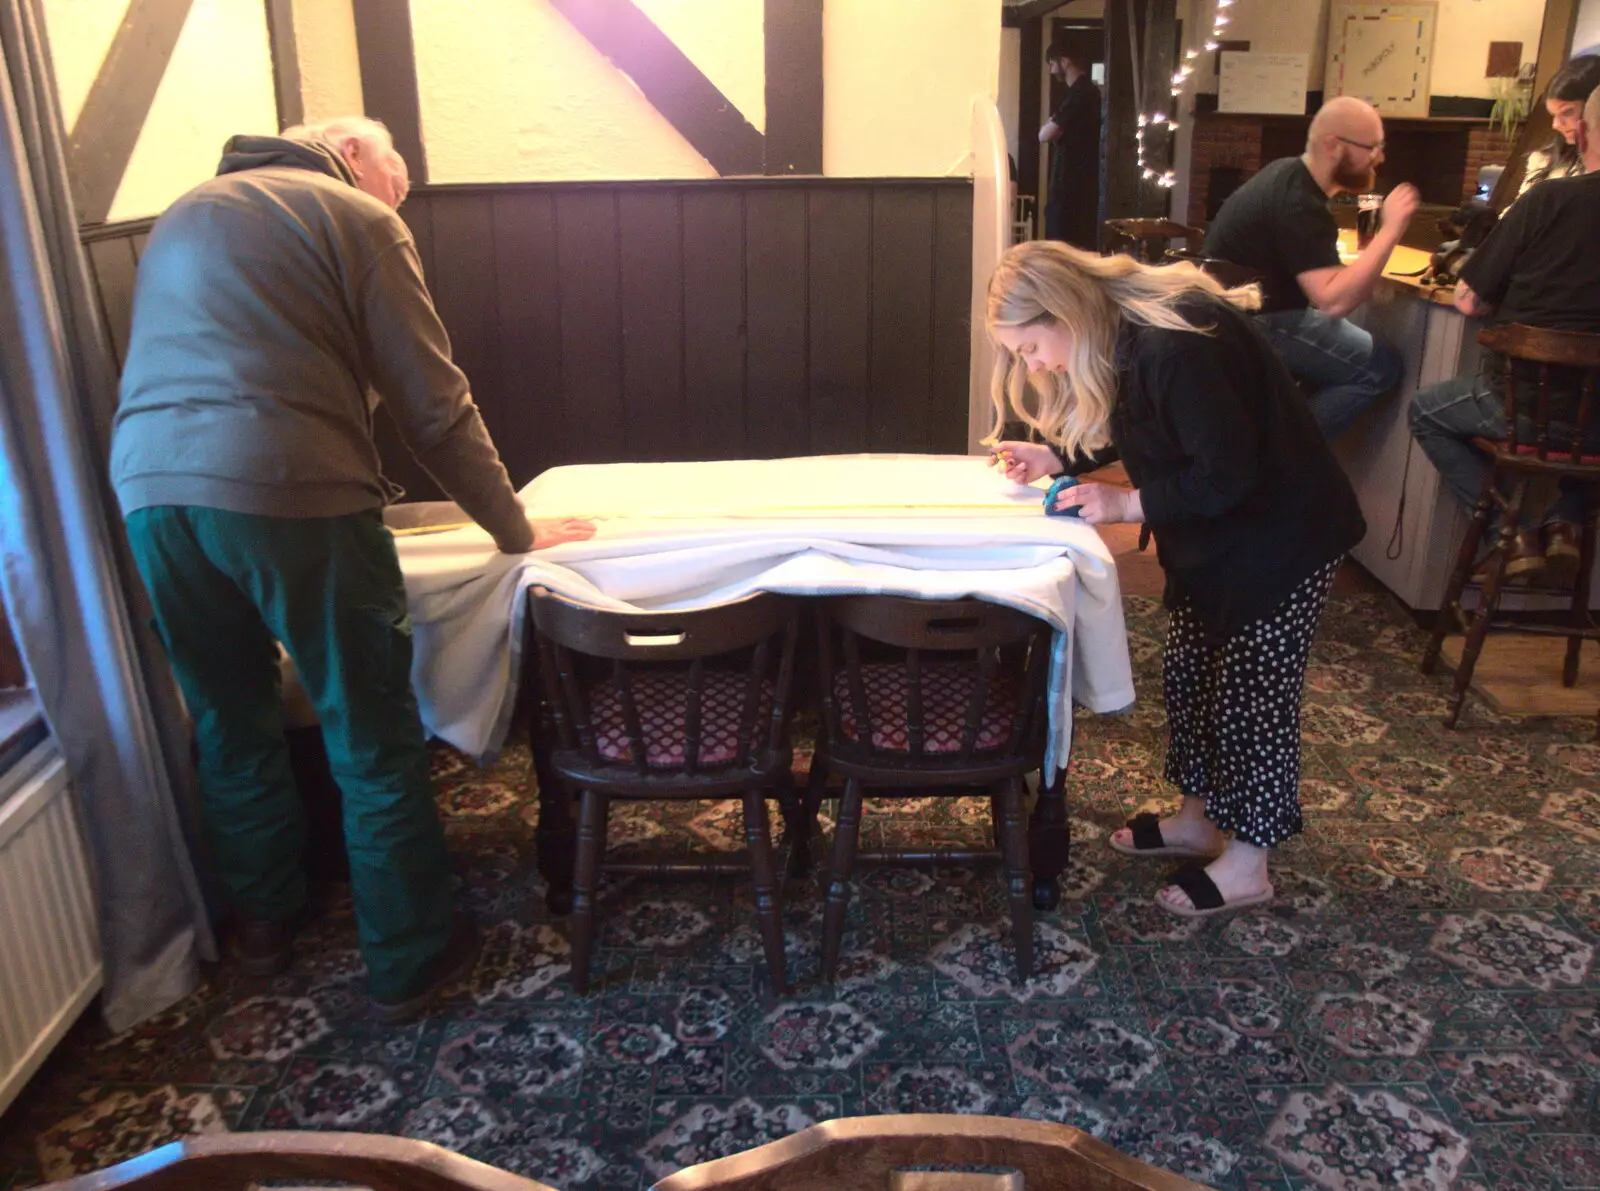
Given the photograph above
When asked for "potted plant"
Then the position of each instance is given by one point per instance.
(1510, 107)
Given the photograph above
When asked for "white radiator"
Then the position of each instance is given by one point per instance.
(49, 944)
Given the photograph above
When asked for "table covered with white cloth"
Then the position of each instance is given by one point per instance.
(673, 536)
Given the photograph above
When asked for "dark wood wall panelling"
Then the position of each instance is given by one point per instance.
(113, 250)
(734, 318)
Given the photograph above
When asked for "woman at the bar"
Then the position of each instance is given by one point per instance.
(1564, 100)
(1250, 512)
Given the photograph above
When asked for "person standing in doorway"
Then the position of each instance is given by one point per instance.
(1072, 207)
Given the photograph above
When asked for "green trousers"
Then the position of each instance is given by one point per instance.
(226, 588)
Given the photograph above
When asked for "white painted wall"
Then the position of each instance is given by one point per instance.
(509, 90)
(1010, 84)
(330, 65)
(218, 82)
(726, 40)
(899, 77)
(1465, 29)
(80, 33)
(1463, 32)
(1586, 37)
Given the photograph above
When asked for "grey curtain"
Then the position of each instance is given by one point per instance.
(64, 568)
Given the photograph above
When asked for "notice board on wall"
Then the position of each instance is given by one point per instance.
(1264, 84)
(1382, 53)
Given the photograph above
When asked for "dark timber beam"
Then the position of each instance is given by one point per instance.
(389, 76)
(285, 62)
(1119, 179)
(794, 87)
(673, 84)
(1030, 65)
(1160, 50)
(113, 115)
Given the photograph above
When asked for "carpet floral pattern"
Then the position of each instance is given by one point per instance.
(1420, 1008)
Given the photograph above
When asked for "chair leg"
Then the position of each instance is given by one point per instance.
(1488, 605)
(840, 870)
(1446, 618)
(1011, 828)
(592, 812)
(1049, 841)
(764, 875)
(1580, 596)
(793, 812)
(555, 836)
(811, 806)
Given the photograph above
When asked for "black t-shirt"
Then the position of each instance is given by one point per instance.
(1540, 265)
(1077, 154)
(1278, 224)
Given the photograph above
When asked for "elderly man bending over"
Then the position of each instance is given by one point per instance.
(269, 301)
(1540, 266)
(1278, 224)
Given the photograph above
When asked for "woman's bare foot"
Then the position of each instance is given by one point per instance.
(1189, 829)
(1239, 873)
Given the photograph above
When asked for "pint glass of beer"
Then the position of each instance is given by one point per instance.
(1369, 208)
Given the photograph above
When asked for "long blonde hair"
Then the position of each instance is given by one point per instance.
(1044, 281)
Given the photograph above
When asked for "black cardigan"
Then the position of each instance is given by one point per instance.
(1243, 496)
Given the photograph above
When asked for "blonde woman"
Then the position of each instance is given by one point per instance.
(1250, 512)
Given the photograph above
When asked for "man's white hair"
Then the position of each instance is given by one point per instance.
(339, 129)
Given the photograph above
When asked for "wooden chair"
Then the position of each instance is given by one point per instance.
(1147, 239)
(1515, 464)
(239, 1161)
(1231, 275)
(960, 706)
(673, 705)
(869, 1154)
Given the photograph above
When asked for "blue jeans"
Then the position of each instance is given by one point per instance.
(1446, 417)
(1344, 366)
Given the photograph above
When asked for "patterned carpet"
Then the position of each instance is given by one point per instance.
(1421, 1008)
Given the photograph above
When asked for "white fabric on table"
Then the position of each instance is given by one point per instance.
(693, 535)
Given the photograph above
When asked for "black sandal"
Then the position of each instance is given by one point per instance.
(1147, 841)
(1204, 895)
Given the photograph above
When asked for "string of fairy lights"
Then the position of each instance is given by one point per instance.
(1161, 121)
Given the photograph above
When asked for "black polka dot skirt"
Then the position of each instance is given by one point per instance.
(1233, 713)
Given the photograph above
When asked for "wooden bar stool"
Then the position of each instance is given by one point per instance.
(1572, 360)
(1231, 275)
(1147, 239)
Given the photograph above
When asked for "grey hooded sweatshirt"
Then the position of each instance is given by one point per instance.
(269, 301)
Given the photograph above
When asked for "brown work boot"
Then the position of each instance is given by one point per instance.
(1526, 563)
(1562, 549)
(456, 961)
(264, 947)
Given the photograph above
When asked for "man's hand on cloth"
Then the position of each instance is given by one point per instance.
(554, 531)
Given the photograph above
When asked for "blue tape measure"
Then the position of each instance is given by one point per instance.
(1055, 489)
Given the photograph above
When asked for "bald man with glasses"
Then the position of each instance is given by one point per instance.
(1278, 223)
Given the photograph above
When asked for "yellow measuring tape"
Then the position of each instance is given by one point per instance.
(744, 514)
